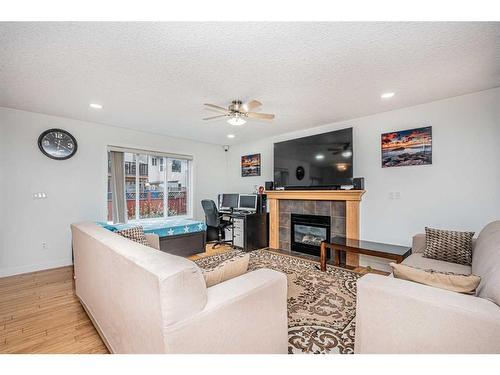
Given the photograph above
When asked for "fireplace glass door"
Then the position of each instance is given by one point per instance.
(308, 231)
(309, 235)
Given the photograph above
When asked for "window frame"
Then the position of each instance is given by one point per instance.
(164, 156)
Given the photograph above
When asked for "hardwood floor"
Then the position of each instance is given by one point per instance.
(40, 313)
(209, 251)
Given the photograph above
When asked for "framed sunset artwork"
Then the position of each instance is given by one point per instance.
(407, 147)
(250, 165)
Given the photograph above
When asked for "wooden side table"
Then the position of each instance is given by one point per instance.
(382, 250)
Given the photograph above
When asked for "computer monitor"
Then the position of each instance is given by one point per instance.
(229, 201)
(248, 202)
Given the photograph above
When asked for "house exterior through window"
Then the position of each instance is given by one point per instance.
(151, 190)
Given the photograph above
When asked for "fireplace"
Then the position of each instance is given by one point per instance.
(308, 231)
(342, 206)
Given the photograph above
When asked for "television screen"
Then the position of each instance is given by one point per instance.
(315, 161)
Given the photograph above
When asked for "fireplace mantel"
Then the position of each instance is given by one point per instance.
(352, 199)
(316, 195)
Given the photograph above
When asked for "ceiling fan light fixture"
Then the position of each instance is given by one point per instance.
(346, 153)
(236, 120)
(237, 113)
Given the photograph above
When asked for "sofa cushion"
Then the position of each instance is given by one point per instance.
(486, 262)
(419, 261)
(135, 234)
(233, 267)
(447, 245)
(443, 280)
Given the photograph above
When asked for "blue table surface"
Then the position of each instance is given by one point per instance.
(163, 228)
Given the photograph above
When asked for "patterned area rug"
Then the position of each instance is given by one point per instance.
(321, 305)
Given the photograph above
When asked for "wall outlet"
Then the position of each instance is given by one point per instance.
(45, 246)
(39, 195)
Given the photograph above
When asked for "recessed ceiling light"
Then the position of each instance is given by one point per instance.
(95, 105)
(320, 157)
(387, 95)
(230, 135)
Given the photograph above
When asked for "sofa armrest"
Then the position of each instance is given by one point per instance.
(399, 316)
(418, 243)
(247, 314)
(153, 240)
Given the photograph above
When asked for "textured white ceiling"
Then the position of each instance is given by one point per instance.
(155, 76)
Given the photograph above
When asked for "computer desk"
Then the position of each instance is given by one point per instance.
(250, 231)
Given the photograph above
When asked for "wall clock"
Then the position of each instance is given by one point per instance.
(300, 172)
(57, 144)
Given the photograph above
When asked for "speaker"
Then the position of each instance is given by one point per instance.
(359, 183)
(261, 203)
(269, 185)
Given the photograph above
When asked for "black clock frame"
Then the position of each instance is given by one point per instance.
(300, 172)
(40, 138)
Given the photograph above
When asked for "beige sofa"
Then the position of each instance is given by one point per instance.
(399, 316)
(143, 300)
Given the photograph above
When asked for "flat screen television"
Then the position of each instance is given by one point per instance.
(322, 160)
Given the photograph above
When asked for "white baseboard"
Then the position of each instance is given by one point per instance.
(11, 271)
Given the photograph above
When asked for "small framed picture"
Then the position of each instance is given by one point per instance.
(407, 147)
(250, 165)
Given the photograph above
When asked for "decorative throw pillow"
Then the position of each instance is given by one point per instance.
(444, 280)
(135, 234)
(447, 245)
(226, 270)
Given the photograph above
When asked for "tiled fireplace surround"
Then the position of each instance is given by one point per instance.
(335, 209)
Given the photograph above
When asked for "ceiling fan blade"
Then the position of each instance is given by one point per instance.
(251, 105)
(260, 116)
(216, 108)
(211, 118)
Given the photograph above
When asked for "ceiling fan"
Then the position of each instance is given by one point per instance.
(344, 149)
(237, 113)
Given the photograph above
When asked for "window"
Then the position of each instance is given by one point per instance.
(151, 190)
(178, 182)
(176, 166)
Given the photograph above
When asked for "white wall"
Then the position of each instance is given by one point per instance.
(76, 188)
(460, 190)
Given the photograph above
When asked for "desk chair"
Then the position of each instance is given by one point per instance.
(214, 221)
